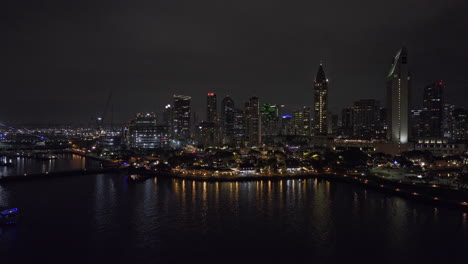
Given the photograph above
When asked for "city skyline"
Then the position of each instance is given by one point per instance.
(241, 131)
(68, 71)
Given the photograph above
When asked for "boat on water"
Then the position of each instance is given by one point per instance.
(9, 216)
(47, 156)
(138, 177)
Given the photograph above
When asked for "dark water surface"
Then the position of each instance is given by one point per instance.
(64, 162)
(106, 219)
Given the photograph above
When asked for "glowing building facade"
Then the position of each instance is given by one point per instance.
(398, 99)
(320, 103)
(181, 116)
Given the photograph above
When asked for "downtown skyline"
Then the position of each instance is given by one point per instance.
(61, 68)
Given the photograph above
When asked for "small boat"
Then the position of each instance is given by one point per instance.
(137, 177)
(9, 216)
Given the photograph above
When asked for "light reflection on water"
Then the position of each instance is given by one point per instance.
(64, 162)
(300, 218)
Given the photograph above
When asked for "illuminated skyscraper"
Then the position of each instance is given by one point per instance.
(211, 108)
(143, 133)
(181, 116)
(366, 118)
(433, 109)
(398, 99)
(320, 103)
(270, 120)
(252, 122)
(460, 124)
(168, 118)
(301, 121)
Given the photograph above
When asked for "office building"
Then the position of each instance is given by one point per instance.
(181, 117)
(142, 133)
(252, 122)
(211, 108)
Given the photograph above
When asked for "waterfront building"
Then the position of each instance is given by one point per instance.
(110, 143)
(142, 132)
(365, 118)
(440, 146)
(433, 108)
(211, 108)
(181, 116)
(320, 103)
(252, 122)
(398, 99)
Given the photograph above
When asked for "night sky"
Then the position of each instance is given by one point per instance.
(60, 59)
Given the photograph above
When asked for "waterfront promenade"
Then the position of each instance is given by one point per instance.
(431, 193)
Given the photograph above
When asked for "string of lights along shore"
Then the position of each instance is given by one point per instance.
(392, 127)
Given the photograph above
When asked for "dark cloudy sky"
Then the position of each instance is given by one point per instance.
(60, 59)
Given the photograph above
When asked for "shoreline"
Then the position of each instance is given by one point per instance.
(435, 195)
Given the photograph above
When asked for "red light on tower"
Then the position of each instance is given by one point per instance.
(210, 94)
(440, 83)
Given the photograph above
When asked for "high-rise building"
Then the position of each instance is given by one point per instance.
(142, 132)
(287, 125)
(181, 116)
(381, 131)
(238, 137)
(252, 122)
(208, 134)
(320, 103)
(460, 124)
(332, 123)
(398, 99)
(417, 123)
(270, 120)
(366, 118)
(168, 117)
(347, 122)
(433, 109)
(227, 119)
(302, 121)
(211, 108)
(447, 120)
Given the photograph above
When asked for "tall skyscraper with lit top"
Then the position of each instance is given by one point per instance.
(211, 108)
(398, 99)
(433, 109)
(320, 103)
